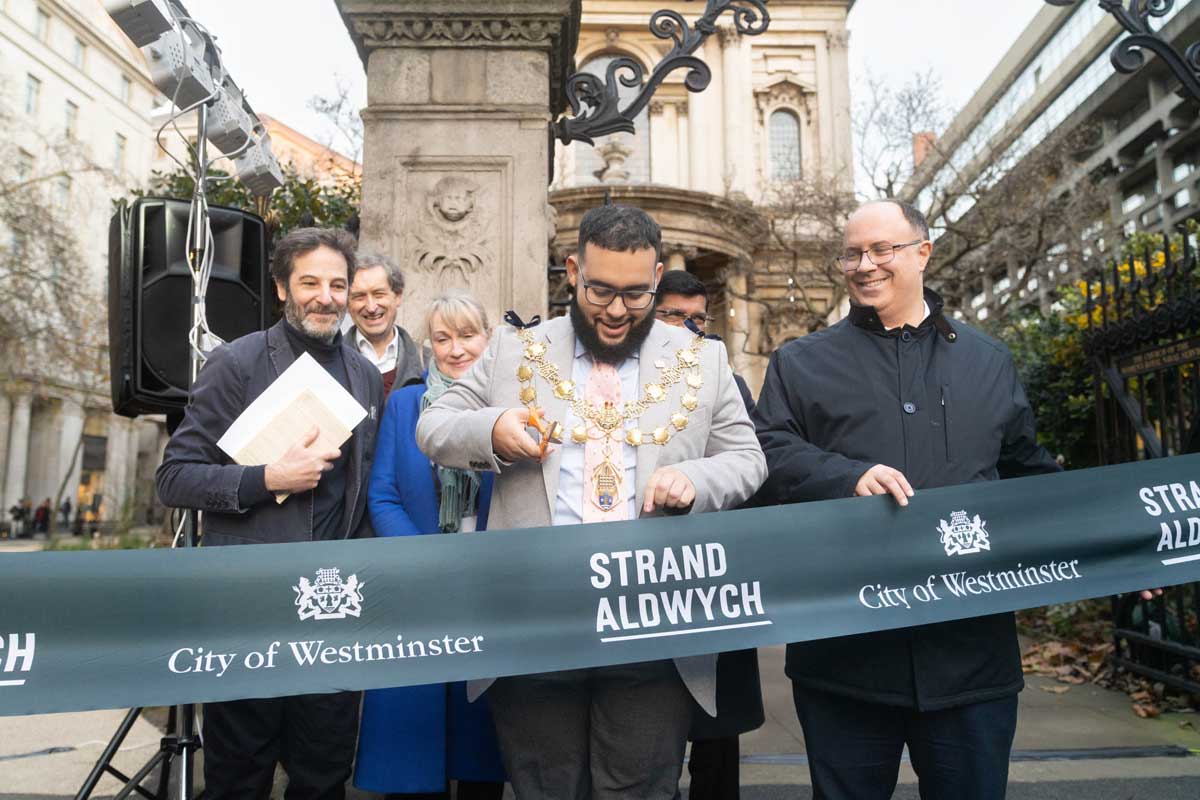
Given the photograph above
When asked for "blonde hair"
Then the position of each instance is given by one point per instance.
(460, 310)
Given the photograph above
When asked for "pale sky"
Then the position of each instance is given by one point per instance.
(282, 52)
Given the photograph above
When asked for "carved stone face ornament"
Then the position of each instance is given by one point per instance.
(453, 198)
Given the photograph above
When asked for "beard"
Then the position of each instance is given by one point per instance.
(609, 353)
(298, 317)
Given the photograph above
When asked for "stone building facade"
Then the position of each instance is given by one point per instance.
(709, 165)
(69, 77)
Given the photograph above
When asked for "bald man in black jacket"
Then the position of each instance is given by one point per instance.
(897, 398)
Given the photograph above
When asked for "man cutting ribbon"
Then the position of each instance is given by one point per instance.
(650, 421)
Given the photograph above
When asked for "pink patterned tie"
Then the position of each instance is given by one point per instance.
(604, 386)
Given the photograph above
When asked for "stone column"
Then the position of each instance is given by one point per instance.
(706, 130)
(70, 451)
(456, 150)
(664, 119)
(115, 471)
(132, 451)
(737, 99)
(738, 324)
(5, 421)
(676, 260)
(683, 155)
(18, 449)
(842, 144)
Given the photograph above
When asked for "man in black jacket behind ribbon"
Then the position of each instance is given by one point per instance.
(893, 399)
(313, 736)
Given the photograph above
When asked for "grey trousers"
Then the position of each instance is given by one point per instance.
(600, 733)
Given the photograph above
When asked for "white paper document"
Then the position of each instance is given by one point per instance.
(303, 397)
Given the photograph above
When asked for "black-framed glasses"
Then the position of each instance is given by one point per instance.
(673, 313)
(633, 299)
(878, 254)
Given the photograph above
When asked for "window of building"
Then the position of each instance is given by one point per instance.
(1182, 199)
(41, 24)
(25, 164)
(33, 95)
(1182, 170)
(784, 138)
(119, 153)
(80, 53)
(70, 120)
(589, 161)
(62, 191)
(1132, 201)
(126, 89)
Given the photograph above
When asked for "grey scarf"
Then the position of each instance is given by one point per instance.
(460, 487)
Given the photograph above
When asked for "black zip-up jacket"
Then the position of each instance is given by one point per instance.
(195, 473)
(940, 402)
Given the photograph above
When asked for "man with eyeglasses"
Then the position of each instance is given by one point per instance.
(630, 447)
(682, 297)
(891, 400)
(714, 762)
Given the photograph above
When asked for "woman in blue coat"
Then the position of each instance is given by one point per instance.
(414, 739)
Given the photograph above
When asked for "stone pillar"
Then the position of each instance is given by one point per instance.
(738, 324)
(456, 150)
(737, 98)
(18, 449)
(70, 451)
(676, 260)
(5, 421)
(842, 144)
(115, 472)
(683, 155)
(706, 132)
(664, 164)
(132, 450)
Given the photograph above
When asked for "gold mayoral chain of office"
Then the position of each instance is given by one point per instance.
(607, 417)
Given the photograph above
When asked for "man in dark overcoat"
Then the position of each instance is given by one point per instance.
(896, 398)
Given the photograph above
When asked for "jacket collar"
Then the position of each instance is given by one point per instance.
(864, 317)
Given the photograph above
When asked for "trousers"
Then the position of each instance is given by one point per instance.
(604, 733)
(854, 747)
(312, 736)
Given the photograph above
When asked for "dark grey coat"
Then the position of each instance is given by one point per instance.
(195, 473)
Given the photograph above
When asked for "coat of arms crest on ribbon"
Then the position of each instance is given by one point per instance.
(330, 597)
(963, 535)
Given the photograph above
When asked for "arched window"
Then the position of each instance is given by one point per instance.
(784, 136)
(587, 158)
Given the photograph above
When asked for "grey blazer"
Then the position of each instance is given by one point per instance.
(718, 450)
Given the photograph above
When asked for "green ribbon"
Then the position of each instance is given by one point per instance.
(162, 627)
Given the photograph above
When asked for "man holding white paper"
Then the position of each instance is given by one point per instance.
(276, 446)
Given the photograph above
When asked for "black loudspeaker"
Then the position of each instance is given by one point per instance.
(150, 297)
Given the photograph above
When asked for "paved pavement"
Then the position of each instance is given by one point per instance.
(1085, 744)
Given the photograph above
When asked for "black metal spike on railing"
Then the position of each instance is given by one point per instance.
(1103, 300)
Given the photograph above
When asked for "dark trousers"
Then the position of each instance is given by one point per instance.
(714, 769)
(312, 735)
(854, 747)
(606, 733)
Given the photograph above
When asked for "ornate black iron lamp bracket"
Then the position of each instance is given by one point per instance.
(595, 106)
(1127, 55)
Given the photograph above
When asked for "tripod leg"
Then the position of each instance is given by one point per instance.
(106, 757)
(164, 775)
(189, 743)
(135, 783)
